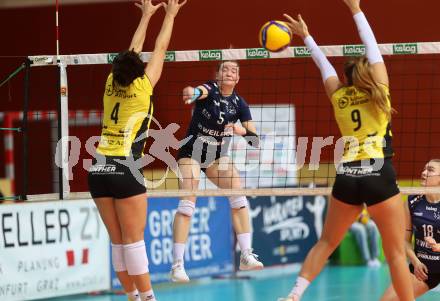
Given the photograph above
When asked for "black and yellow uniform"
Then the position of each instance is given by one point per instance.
(367, 135)
(127, 116)
(425, 219)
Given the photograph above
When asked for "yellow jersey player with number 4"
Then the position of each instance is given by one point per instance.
(116, 181)
(365, 175)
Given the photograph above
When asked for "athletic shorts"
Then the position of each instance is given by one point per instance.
(433, 279)
(360, 182)
(205, 155)
(114, 179)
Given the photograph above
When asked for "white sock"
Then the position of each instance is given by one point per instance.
(178, 250)
(132, 295)
(300, 286)
(148, 296)
(244, 241)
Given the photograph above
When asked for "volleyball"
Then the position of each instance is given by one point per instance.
(275, 36)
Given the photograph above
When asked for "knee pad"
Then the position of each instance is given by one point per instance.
(136, 259)
(118, 258)
(186, 208)
(238, 202)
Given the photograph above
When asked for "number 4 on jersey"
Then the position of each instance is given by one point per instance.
(115, 112)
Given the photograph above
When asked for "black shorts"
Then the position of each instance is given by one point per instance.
(433, 279)
(114, 179)
(204, 155)
(360, 182)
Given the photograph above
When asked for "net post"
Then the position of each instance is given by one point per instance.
(25, 150)
(63, 131)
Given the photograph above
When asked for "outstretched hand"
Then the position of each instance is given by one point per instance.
(432, 244)
(298, 27)
(187, 95)
(173, 7)
(147, 7)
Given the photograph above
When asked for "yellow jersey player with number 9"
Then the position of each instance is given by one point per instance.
(115, 179)
(365, 175)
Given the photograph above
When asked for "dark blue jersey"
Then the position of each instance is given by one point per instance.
(214, 112)
(425, 218)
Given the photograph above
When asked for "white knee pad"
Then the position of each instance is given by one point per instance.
(186, 208)
(118, 258)
(238, 202)
(136, 259)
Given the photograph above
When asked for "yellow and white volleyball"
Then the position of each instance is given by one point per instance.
(275, 36)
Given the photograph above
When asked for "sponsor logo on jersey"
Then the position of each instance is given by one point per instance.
(406, 48)
(170, 56)
(429, 208)
(428, 257)
(257, 53)
(343, 102)
(111, 57)
(210, 55)
(418, 213)
(206, 114)
(301, 52)
(356, 170)
(230, 108)
(354, 50)
(103, 168)
(109, 90)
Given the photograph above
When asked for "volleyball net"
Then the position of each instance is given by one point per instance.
(284, 90)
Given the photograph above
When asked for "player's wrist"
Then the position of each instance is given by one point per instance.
(197, 93)
(355, 10)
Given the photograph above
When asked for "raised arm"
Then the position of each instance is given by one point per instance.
(155, 65)
(148, 9)
(366, 34)
(328, 73)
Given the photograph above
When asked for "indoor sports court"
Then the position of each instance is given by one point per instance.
(160, 150)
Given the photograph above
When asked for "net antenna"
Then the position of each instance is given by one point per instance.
(63, 115)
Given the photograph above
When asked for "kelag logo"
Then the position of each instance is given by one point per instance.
(210, 55)
(170, 56)
(257, 53)
(354, 50)
(111, 57)
(407, 48)
(301, 52)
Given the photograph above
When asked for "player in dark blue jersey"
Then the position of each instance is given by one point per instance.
(423, 219)
(217, 109)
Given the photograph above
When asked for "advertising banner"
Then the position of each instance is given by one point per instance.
(285, 228)
(51, 249)
(209, 248)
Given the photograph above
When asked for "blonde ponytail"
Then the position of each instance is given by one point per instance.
(358, 74)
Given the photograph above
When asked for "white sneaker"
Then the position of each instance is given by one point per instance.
(249, 261)
(375, 263)
(293, 298)
(178, 273)
(136, 298)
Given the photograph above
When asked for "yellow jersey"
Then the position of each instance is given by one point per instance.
(366, 129)
(126, 119)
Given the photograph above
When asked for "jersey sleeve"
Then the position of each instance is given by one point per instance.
(211, 86)
(412, 202)
(244, 112)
